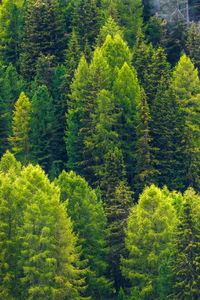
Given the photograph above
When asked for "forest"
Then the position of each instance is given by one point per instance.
(99, 149)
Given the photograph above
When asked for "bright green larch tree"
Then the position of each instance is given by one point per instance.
(126, 91)
(186, 86)
(151, 224)
(89, 223)
(20, 139)
(186, 260)
(49, 258)
(10, 219)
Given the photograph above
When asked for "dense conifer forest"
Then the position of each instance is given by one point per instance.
(99, 149)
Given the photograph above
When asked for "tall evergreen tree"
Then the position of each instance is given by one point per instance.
(131, 19)
(185, 266)
(10, 220)
(49, 257)
(11, 30)
(167, 143)
(185, 83)
(44, 33)
(145, 161)
(4, 127)
(126, 92)
(192, 44)
(86, 23)
(20, 139)
(42, 125)
(89, 223)
(151, 224)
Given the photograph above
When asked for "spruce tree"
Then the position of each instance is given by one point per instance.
(20, 140)
(74, 143)
(130, 13)
(11, 30)
(166, 129)
(117, 198)
(145, 161)
(4, 127)
(86, 23)
(42, 134)
(44, 33)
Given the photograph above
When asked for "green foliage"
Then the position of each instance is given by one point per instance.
(89, 223)
(149, 241)
(38, 256)
(145, 162)
(126, 92)
(86, 23)
(131, 20)
(44, 33)
(10, 220)
(11, 29)
(109, 28)
(42, 128)
(185, 85)
(185, 266)
(192, 44)
(116, 52)
(20, 139)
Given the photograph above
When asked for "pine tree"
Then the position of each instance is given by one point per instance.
(44, 33)
(151, 224)
(20, 139)
(89, 223)
(185, 266)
